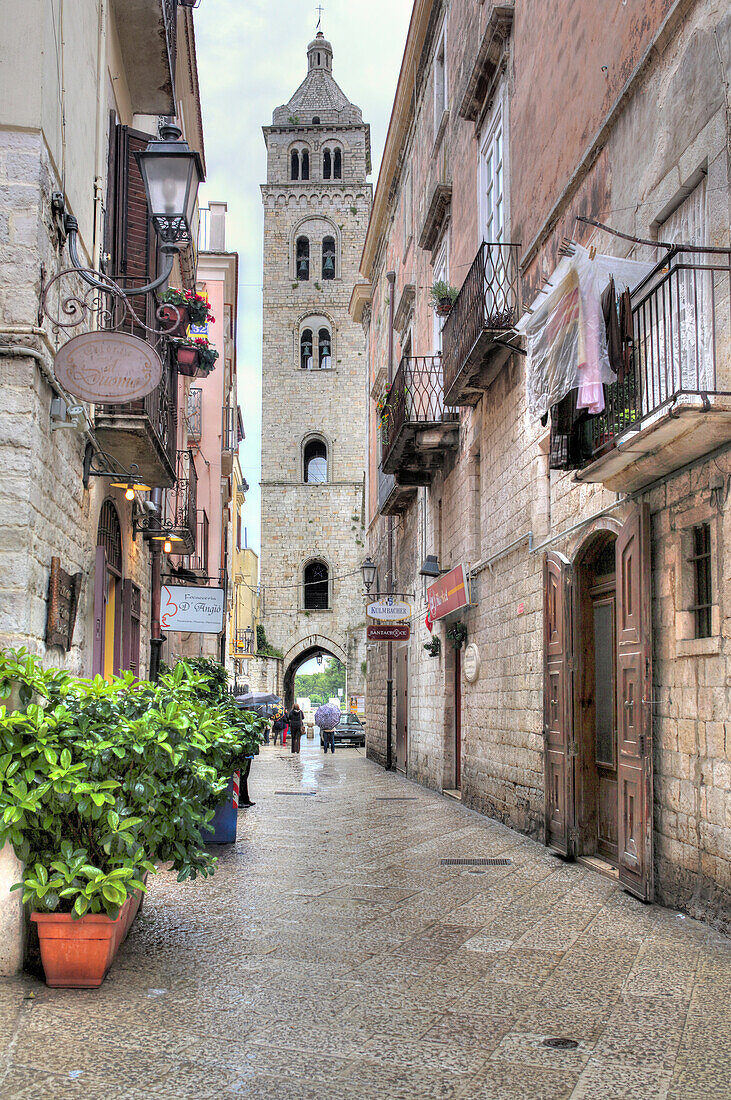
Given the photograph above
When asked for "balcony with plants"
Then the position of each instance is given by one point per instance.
(474, 336)
(417, 428)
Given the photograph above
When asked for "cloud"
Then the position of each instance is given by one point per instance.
(252, 55)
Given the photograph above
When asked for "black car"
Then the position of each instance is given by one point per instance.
(350, 731)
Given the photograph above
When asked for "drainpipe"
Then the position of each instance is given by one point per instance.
(156, 638)
(391, 277)
(101, 130)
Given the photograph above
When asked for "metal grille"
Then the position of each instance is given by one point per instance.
(316, 585)
(416, 397)
(193, 413)
(681, 319)
(199, 560)
(489, 299)
(475, 862)
(296, 793)
(109, 535)
(701, 561)
(230, 441)
(396, 798)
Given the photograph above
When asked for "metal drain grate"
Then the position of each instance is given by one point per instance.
(560, 1044)
(300, 793)
(475, 862)
(396, 798)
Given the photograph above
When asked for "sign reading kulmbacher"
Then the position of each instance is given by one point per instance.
(388, 609)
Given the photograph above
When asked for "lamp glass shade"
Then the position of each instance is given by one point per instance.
(136, 485)
(167, 538)
(369, 570)
(172, 173)
(167, 546)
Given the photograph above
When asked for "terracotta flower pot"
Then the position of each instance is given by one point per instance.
(188, 359)
(76, 954)
(177, 316)
(444, 306)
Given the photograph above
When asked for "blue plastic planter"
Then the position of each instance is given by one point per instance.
(223, 826)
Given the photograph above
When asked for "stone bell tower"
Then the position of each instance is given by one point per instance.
(316, 206)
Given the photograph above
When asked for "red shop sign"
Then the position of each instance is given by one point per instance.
(449, 593)
(388, 632)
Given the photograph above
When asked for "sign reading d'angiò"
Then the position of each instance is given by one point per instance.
(192, 609)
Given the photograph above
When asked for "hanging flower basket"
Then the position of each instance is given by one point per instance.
(457, 634)
(443, 295)
(444, 307)
(177, 316)
(188, 360)
(196, 305)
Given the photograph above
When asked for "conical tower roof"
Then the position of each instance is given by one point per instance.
(319, 96)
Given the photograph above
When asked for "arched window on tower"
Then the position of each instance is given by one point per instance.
(325, 349)
(316, 585)
(303, 259)
(326, 164)
(328, 258)
(295, 165)
(305, 165)
(316, 120)
(337, 164)
(315, 462)
(306, 349)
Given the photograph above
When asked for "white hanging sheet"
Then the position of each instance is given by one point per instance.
(566, 335)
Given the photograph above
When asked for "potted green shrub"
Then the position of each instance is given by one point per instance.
(99, 781)
(180, 308)
(457, 634)
(443, 296)
(195, 356)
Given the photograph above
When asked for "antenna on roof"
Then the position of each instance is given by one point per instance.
(319, 9)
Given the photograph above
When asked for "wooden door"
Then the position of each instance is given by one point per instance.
(100, 606)
(634, 704)
(402, 707)
(457, 719)
(558, 712)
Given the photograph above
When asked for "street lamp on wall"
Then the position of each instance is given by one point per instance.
(369, 570)
(248, 640)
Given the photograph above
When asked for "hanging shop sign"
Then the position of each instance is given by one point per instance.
(448, 593)
(388, 632)
(63, 599)
(192, 609)
(110, 368)
(388, 609)
(471, 663)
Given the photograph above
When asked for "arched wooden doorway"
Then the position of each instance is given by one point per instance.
(117, 602)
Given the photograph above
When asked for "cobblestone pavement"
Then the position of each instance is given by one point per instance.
(332, 955)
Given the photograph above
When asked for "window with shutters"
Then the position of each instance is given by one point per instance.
(316, 585)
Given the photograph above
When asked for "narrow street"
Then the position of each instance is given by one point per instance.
(333, 955)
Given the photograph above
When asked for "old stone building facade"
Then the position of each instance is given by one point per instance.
(316, 206)
(592, 705)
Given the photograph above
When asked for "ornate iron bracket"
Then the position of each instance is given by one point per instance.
(105, 305)
(101, 464)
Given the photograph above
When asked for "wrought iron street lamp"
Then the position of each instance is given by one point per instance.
(369, 570)
(248, 640)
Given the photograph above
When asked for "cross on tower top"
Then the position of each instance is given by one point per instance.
(319, 9)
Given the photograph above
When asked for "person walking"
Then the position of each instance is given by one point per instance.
(329, 736)
(285, 731)
(296, 722)
(278, 726)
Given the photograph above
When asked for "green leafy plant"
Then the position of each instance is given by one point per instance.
(263, 648)
(457, 634)
(433, 647)
(207, 354)
(442, 295)
(99, 780)
(196, 304)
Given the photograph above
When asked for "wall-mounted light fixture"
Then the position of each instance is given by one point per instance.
(369, 570)
(430, 567)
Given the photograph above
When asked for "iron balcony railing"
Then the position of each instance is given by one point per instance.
(194, 413)
(415, 399)
(231, 436)
(488, 301)
(681, 327)
(181, 502)
(198, 561)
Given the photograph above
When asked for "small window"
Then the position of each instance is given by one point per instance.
(325, 349)
(337, 164)
(328, 258)
(315, 462)
(701, 562)
(326, 164)
(305, 165)
(316, 121)
(440, 84)
(306, 349)
(316, 585)
(303, 259)
(295, 171)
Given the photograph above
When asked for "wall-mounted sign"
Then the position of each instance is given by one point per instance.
(357, 704)
(63, 599)
(388, 632)
(448, 593)
(388, 609)
(110, 368)
(471, 663)
(192, 609)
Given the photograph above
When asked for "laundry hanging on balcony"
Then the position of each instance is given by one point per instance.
(566, 332)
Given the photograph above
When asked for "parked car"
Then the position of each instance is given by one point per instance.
(350, 730)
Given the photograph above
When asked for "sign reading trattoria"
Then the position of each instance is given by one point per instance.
(192, 609)
(448, 593)
(387, 609)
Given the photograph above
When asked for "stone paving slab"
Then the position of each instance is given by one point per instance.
(333, 956)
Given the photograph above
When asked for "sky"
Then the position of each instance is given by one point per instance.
(252, 56)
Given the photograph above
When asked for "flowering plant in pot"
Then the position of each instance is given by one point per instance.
(443, 296)
(185, 306)
(195, 355)
(99, 781)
